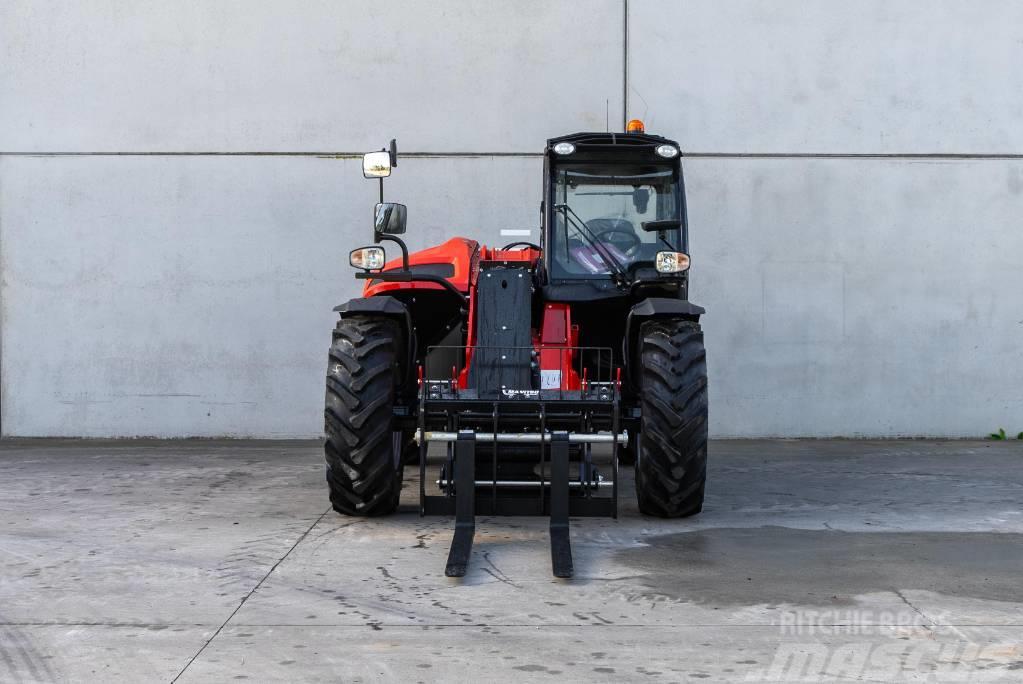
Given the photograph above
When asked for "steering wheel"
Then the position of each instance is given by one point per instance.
(521, 244)
(630, 237)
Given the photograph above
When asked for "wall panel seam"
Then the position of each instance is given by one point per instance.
(625, 63)
(529, 155)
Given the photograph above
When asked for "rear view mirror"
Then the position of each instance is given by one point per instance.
(640, 199)
(390, 217)
(376, 164)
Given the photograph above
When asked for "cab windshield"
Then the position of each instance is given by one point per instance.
(598, 216)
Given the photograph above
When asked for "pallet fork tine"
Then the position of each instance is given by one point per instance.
(465, 504)
(561, 545)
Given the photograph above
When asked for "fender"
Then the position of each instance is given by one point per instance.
(388, 307)
(656, 307)
(662, 307)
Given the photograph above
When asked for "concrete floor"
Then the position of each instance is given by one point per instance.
(813, 560)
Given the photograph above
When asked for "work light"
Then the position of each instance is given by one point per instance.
(672, 262)
(367, 258)
(667, 151)
(564, 148)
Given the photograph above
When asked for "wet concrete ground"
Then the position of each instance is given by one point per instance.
(813, 561)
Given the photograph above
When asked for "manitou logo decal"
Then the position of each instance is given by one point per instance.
(520, 394)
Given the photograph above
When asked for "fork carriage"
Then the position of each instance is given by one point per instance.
(512, 451)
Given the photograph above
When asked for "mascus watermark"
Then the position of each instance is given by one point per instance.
(893, 661)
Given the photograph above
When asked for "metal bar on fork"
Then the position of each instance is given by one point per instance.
(543, 455)
(581, 373)
(588, 455)
(423, 447)
(533, 484)
(493, 489)
(528, 437)
(615, 398)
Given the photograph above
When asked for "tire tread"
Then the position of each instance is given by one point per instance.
(671, 470)
(362, 474)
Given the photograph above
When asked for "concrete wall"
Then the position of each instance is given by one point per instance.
(176, 204)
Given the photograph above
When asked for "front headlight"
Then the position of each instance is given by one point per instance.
(367, 258)
(672, 262)
(667, 151)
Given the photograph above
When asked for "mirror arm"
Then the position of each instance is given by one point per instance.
(381, 237)
(392, 154)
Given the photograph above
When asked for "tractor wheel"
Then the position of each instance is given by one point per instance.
(363, 451)
(671, 467)
(409, 448)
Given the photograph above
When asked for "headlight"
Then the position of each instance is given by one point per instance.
(564, 148)
(667, 151)
(672, 262)
(367, 258)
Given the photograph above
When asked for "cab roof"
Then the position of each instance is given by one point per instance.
(612, 140)
(625, 146)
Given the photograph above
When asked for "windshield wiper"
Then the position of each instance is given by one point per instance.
(618, 273)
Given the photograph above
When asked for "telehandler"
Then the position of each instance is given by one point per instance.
(521, 359)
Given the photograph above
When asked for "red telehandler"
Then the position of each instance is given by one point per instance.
(520, 359)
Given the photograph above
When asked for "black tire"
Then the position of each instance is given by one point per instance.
(363, 451)
(672, 466)
(409, 448)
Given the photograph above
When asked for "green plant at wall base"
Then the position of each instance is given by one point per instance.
(1001, 436)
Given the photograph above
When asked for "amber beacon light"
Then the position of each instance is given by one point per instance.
(634, 126)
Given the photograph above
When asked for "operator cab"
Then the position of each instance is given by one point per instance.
(612, 203)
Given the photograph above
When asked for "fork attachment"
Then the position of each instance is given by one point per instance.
(465, 505)
(561, 495)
